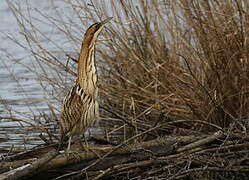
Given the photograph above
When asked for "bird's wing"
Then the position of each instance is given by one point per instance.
(75, 108)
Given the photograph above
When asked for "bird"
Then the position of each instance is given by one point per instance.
(80, 108)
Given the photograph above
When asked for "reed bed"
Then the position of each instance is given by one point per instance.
(165, 68)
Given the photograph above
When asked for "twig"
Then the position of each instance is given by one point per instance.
(167, 144)
(201, 142)
(32, 168)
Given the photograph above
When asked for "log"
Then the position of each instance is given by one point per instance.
(55, 160)
(106, 161)
(29, 169)
(203, 141)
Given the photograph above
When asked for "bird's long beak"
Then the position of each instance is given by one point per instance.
(105, 21)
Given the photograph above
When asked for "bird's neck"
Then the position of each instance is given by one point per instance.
(87, 75)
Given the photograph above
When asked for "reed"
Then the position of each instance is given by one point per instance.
(165, 68)
(175, 65)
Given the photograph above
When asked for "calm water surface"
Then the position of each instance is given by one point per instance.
(21, 94)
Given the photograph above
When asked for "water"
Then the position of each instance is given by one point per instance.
(22, 95)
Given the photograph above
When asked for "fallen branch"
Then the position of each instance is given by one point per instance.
(30, 169)
(158, 156)
(201, 142)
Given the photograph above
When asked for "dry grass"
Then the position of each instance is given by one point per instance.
(165, 67)
(182, 60)
(170, 66)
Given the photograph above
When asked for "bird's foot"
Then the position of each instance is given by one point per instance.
(73, 154)
(85, 147)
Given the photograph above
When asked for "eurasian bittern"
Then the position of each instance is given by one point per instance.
(80, 106)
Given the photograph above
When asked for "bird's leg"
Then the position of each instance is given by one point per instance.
(69, 151)
(74, 152)
(85, 144)
(69, 144)
(85, 140)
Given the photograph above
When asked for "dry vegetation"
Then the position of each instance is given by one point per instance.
(179, 61)
(166, 68)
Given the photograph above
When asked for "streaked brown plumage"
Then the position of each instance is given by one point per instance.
(80, 106)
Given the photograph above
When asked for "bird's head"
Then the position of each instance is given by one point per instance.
(93, 32)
